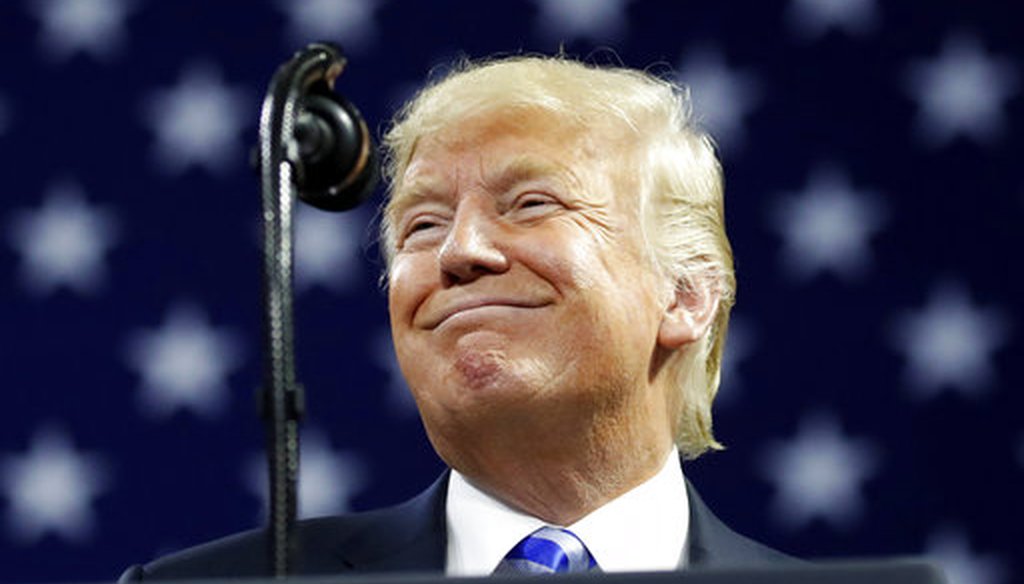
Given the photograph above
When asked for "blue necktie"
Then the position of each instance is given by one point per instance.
(548, 550)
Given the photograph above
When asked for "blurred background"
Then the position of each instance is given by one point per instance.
(872, 398)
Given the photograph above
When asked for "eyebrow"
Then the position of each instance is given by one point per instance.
(418, 190)
(526, 167)
(515, 170)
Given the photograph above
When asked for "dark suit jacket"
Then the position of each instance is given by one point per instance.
(410, 537)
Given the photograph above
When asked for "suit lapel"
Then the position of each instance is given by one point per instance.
(410, 537)
(710, 544)
(704, 548)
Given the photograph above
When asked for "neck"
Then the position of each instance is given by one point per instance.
(564, 496)
(562, 485)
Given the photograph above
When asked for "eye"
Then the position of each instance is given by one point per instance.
(421, 224)
(535, 204)
(532, 201)
(419, 229)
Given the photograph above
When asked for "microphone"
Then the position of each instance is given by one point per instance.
(337, 165)
(314, 144)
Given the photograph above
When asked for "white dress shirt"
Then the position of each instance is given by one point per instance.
(644, 529)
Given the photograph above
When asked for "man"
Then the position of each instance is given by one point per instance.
(559, 286)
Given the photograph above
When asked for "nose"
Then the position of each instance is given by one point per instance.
(471, 248)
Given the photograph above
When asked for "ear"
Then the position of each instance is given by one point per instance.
(689, 313)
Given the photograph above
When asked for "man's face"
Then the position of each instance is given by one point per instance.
(522, 305)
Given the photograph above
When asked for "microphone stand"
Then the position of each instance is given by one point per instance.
(282, 398)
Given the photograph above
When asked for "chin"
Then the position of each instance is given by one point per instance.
(481, 370)
(481, 361)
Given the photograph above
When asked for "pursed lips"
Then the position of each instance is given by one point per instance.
(439, 317)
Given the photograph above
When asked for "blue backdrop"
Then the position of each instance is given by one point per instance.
(872, 397)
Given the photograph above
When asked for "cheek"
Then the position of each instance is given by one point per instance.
(407, 284)
(610, 282)
(586, 266)
(567, 259)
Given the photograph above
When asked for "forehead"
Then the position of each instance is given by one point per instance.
(509, 129)
(502, 147)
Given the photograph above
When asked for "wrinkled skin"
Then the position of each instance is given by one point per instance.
(531, 328)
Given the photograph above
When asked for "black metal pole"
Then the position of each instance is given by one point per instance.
(282, 398)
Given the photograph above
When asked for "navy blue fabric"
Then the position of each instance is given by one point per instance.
(411, 537)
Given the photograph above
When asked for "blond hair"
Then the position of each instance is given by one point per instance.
(677, 173)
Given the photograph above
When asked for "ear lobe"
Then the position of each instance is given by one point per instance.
(690, 314)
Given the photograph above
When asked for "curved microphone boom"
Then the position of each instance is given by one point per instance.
(312, 143)
(334, 163)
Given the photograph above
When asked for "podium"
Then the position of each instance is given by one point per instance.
(894, 571)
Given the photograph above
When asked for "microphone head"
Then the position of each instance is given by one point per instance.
(337, 166)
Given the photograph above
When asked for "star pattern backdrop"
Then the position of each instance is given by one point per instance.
(871, 401)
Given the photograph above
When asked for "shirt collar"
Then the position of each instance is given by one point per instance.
(643, 529)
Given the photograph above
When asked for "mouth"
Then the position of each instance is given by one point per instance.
(479, 306)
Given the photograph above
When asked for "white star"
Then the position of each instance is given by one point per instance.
(595, 20)
(50, 489)
(327, 249)
(813, 18)
(721, 96)
(949, 343)
(328, 479)
(198, 122)
(91, 26)
(818, 475)
(350, 23)
(827, 227)
(962, 92)
(184, 364)
(739, 346)
(950, 549)
(399, 396)
(63, 242)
